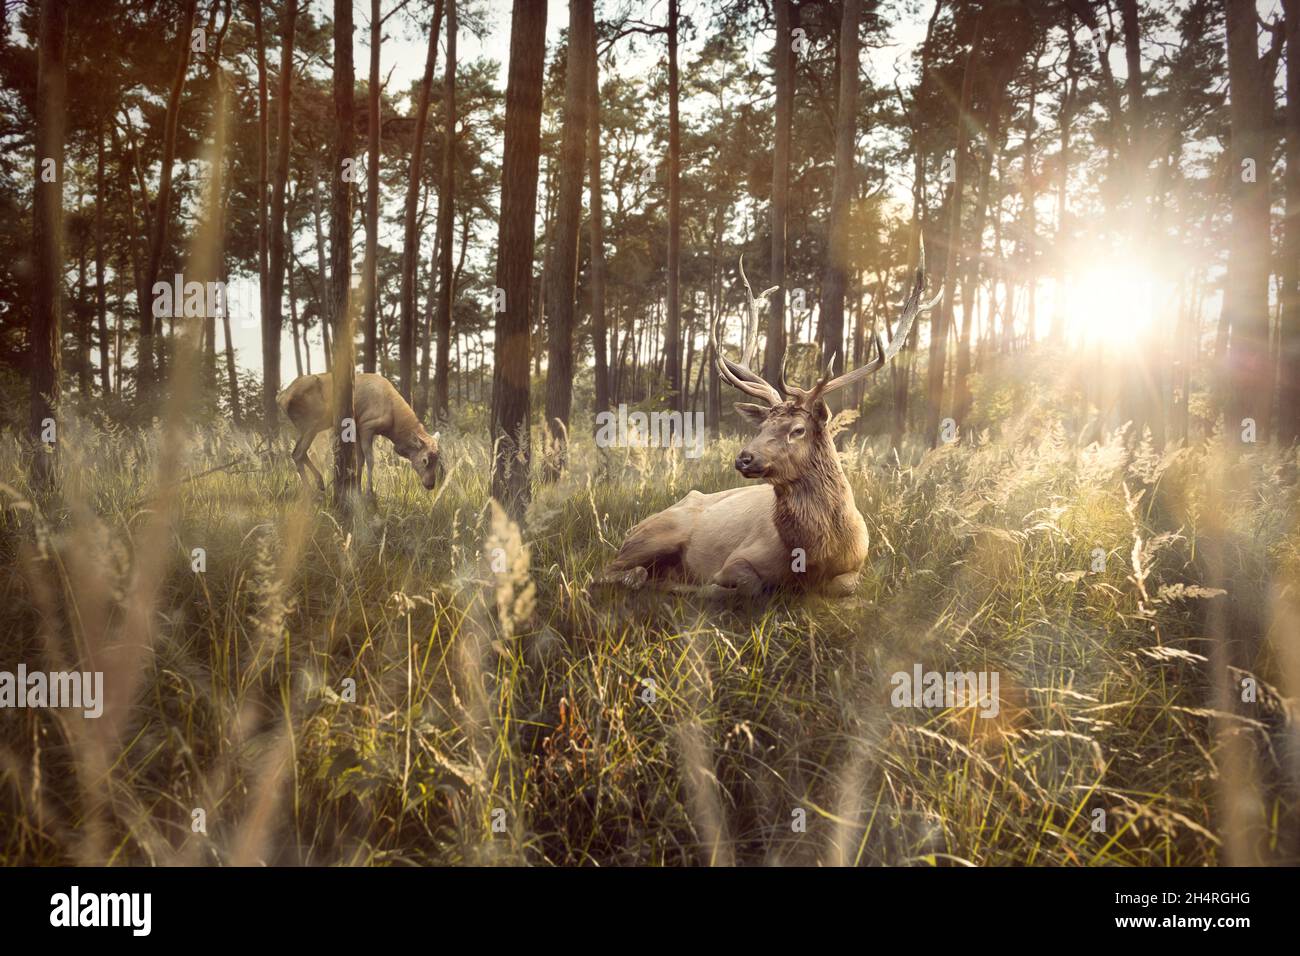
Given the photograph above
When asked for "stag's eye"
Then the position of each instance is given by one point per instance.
(797, 432)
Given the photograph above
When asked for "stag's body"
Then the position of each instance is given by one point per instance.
(805, 532)
(801, 527)
(378, 409)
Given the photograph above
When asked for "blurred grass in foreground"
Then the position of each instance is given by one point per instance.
(514, 718)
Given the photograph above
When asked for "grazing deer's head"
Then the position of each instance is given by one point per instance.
(793, 440)
(424, 459)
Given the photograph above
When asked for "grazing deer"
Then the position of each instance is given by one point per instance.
(378, 409)
(801, 526)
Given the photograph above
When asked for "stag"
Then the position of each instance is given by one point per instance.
(801, 526)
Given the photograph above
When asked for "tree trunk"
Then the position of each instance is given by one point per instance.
(324, 306)
(516, 236)
(1135, 109)
(1288, 425)
(673, 329)
(901, 371)
(47, 239)
(101, 289)
(293, 320)
(369, 269)
(1064, 121)
(347, 477)
(81, 310)
(999, 76)
(162, 205)
(783, 66)
(596, 203)
(273, 319)
(263, 176)
(410, 235)
(232, 379)
(939, 329)
(562, 276)
(446, 223)
(837, 240)
(1245, 299)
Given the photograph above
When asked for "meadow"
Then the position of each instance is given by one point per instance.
(429, 686)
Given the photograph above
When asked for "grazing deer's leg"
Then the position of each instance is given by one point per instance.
(301, 458)
(297, 455)
(368, 453)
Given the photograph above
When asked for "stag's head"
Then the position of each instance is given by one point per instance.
(424, 459)
(788, 440)
(792, 422)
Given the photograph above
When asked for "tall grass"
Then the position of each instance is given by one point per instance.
(429, 686)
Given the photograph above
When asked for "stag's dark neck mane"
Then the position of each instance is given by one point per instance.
(816, 511)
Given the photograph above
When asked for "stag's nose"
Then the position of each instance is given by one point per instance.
(744, 461)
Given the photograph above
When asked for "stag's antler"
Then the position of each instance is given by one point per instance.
(752, 327)
(911, 308)
(738, 375)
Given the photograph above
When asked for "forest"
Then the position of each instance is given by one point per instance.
(1015, 285)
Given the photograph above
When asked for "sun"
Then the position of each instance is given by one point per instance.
(1110, 301)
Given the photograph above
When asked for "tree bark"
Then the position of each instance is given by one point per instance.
(47, 237)
(410, 234)
(837, 240)
(232, 379)
(939, 329)
(596, 204)
(673, 327)
(293, 319)
(1245, 298)
(1065, 121)
(446, 224)
(516, 236)
(369, 269)
(273, 319)
(783, 67)
(158, 239)
(969, 261)
(562, 284)
(324, 305)
(263, 176)
(347, 477)
(1289, 329)
(901, 371)
(101, 288)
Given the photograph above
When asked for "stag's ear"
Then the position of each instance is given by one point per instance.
(821, 412)
(756, 414)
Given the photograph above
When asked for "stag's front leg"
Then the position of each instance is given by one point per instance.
(737, 576)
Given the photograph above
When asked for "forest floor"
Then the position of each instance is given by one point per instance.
(392, 696)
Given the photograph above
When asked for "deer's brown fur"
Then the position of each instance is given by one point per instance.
(378, 409)
(801, 526)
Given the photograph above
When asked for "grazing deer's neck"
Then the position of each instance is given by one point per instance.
(407, 434)
(816, 511)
